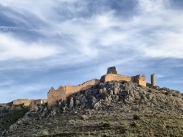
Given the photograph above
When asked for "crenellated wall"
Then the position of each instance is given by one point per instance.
(56, 95)
(63, 91)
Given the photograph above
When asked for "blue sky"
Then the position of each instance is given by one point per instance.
(53, 43)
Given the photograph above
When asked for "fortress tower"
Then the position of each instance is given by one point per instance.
(153, 80)
(112, 70)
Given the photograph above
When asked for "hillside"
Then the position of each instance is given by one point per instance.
(9, 114)
(123, 109)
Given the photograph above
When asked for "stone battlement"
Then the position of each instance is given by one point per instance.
(25, 102)
(36, 102)
(64, 91)
(113, 76)
(29, 103)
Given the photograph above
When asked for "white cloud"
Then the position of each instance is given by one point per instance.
(160, 76)
(11, 48)
(7, 82)
(153, 6)
(155, 32)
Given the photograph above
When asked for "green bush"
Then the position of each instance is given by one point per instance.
(134, 124)
(136, 117)
(150, 90)
(104, 94)
(106, 125)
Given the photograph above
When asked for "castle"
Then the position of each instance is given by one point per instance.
(113, 76)
(54, 96)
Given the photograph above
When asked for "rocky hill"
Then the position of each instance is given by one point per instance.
(9, 114)
(123, 109)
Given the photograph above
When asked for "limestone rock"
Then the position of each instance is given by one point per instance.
(84, 117)
(71, 104)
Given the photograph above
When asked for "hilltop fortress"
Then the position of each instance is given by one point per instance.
(55, 96)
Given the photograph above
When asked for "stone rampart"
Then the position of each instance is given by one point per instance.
(56, 95)
(62, 92)
(114, 77)
(36, 102)
(141, 80)
(25, 102)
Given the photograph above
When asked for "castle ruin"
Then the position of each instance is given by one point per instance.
(113, 76)
(36, 102)
(29, 103)
(24, 102)
(64, 91)
(153, 80)
(112, 70)
(55, 96)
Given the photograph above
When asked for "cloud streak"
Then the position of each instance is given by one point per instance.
(15, 49)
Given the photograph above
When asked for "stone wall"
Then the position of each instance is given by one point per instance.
(54, 96)
(114, 77)
(141, 80)
(25, 102)
(36, 102)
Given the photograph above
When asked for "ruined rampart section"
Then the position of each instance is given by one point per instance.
(25, 102)
(55, 95)
(37, 102)
(72, 89)
(114, 77)
(141, 80)
(62, 92)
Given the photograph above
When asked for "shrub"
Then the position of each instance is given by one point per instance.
(136, 117)
(134, 124)
(104, 94)
(106, 125)
(166, 93)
